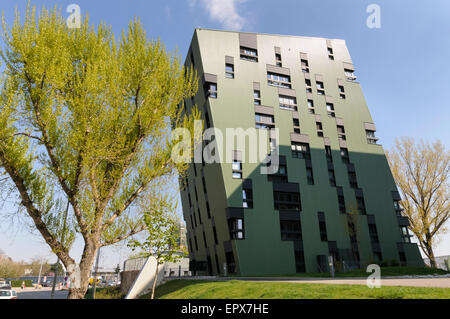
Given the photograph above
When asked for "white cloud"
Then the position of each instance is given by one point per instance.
(223, 11)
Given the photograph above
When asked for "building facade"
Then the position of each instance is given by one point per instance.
(333, 194)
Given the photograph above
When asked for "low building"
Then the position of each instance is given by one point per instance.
(442, 262)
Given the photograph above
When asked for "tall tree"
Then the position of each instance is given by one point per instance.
(85, 118)
(421, 172)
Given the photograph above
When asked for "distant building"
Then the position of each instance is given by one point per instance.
(442, 262)
(182, 241)
(3, 255)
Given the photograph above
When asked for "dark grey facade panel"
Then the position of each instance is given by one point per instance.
(286, 187)
(289, 215)
(369, 126)
(229, 59)
(403, 221)
(300, 138)
(264, 109)
(278, 69)
(210, 78)
(287, 92)
(248, 40)
(348, 66)
(235, 212)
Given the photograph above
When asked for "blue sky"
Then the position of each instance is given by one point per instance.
(403, 67)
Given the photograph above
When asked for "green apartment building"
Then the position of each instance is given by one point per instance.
(333, 195)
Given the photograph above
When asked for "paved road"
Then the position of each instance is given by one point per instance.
(43, 293)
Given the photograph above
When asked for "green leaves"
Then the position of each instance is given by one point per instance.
(86, 117)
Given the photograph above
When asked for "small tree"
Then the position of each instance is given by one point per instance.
(163, 235)
(421, 172)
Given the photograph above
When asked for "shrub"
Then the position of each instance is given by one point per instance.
(18, 283)
(384, 263)
(394, 263)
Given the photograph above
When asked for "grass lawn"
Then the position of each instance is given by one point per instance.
(385, 272)
(237, 289)
(105, 293)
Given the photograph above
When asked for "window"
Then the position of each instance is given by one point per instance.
(296, 125)
(308, 86)
(264, 121)
(196, 243)
(247, 198)
(231, 265)
(328, 153)
(305, 65)
(286, 201)
(192, 59)
(322, 226)
(290, 230)
(309, 176)
(257, 97)
(405, 234)
(236, 226)
(300, 150)
(229, 71)
(237, 169)
(320, 88)
(280, 176)
(287, 102)
(204, 240)
(371, 138)
(352, 180)
(341, 202)
(248, 54)
(279, 80)
(350, 74)
(360, 204)
(330, 110)
(319, 129)
(310, 106)
(341, 132)
(331, 177)
(199, 216)
(330, 54)
(211, 90)
(373, 233)
(208, 211)
(341, 91)
(278, 59)
(344, 155)
(398, 208)
(215, 235)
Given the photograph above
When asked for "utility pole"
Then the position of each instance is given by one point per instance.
(39, 277)
(62, 241)
(94, 283)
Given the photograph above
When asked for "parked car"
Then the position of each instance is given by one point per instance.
(48, 283)
(8, 294)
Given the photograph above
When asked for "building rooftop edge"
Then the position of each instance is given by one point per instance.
(268, 34)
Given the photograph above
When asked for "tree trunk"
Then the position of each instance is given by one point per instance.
(86, 263)
(430, 254)
(155, 280)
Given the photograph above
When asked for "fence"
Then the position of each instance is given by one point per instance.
(134, 264)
